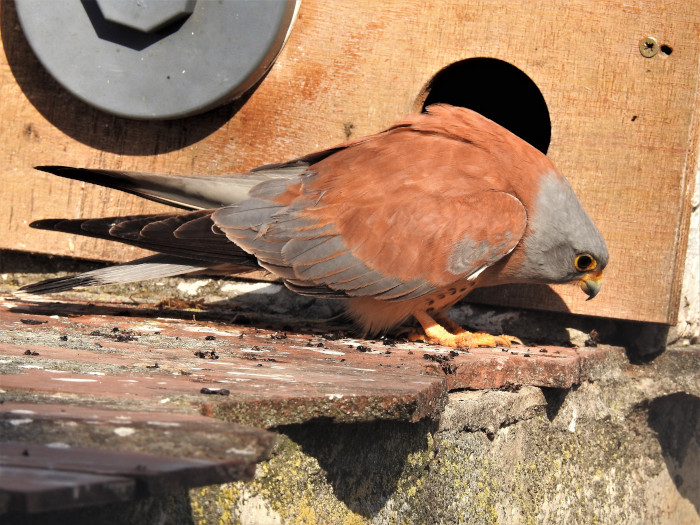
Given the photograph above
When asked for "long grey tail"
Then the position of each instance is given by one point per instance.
(152, 267)
(187, 242)
(181, 191)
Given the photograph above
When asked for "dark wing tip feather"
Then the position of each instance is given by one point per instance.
(148, 186)
(56, 285)
(54, 170)
(45, 224)
(107, 178)
(94, 176)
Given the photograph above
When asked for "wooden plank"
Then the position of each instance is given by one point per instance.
(623, 126)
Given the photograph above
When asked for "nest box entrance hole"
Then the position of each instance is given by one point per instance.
(499, 91)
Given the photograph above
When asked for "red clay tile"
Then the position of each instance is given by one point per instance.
(126, 354)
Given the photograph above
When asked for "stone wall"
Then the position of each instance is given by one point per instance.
(624, 448)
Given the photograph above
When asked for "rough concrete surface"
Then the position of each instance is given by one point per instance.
(688, 327)
(621, 447)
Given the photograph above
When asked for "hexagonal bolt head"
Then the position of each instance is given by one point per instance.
(146, 16)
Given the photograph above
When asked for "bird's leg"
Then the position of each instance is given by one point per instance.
(449, 333)
(449, 325)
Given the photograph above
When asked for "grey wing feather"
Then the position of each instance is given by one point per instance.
(312, 259)
(336, 269)
(304, 252)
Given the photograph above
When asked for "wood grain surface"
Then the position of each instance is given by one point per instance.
(624, 127)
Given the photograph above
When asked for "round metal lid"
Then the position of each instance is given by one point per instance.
(156, 59)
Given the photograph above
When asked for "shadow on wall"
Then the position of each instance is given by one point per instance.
(91, 126)
(676, 420)
(364, 461)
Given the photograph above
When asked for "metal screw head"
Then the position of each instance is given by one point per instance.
(648, 46)
(146, 16)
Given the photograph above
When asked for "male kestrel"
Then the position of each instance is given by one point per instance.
(398, 224)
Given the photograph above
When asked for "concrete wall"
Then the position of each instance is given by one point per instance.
(624, 448)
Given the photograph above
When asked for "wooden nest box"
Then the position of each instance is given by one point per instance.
(609, 90)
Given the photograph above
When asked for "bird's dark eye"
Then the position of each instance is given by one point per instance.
(585, 262)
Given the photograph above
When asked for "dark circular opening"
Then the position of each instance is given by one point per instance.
(666, 49)
(499, 91)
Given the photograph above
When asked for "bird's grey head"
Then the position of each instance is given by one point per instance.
(563, 244)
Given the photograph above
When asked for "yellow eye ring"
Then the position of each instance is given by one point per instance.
(585, 262)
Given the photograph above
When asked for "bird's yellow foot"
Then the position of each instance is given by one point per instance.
(472, 339)
(443, 331)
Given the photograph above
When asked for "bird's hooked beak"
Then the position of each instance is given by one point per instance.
(590, 283)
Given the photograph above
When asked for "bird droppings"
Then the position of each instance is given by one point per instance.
(22, 412)
(327, 352)
(252, 288)
(74, 379)
(572, 423)
(166, 424)
(205, 329)
(21, 421)
(58, 445)
(124, 431)
(191, 288)
(249, 451)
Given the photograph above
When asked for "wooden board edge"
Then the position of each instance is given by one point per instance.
(692, 161)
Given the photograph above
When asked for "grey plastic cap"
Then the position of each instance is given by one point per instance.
(156, 59)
